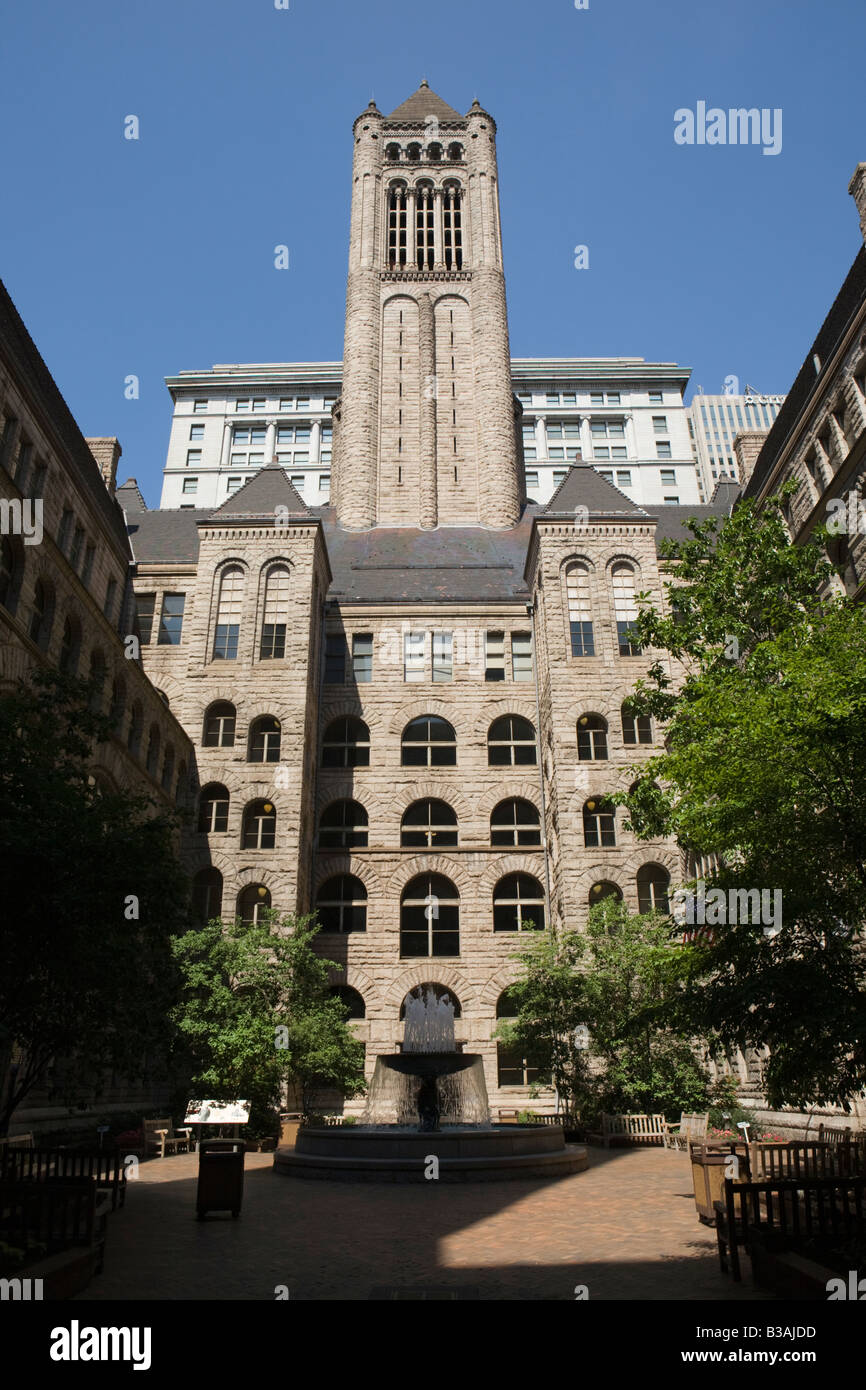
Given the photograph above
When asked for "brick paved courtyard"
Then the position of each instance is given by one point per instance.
(626, 1228)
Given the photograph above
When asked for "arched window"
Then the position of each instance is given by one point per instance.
(653, 885)
(397, 204)
(579, 610)
(518, 904)
(600, 892)
(429, 742)
(152, 763)
(96, 678)
(625, 609)
(42, 617)
(70, 646)
(430, 917)
(452, 226)
(136, 728)
(346, 743)
(228, 621)
(253, 902)
(599, 823)
(392, 153)
(9, 573)
(434, 152)
(591, 738)
(413, 152)
(341, 904)
(276, 614)
(265, 739)
(440, 992)
(429, 825)
(343, 825)
(455, 153)
(118, 702)
(219, 726)
(515, 823)
(168, 769)
(424, 227)
(213, 812)
(207, 894)
(260, 826)
(351, 1000)
(514, 1068)
(511, 742)
(636, 728)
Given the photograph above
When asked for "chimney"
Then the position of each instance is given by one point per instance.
(747, 446)
(857, 189)
(107, 454)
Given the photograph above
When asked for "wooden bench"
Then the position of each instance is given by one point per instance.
(765, 1162)
(632, 1129)
(58, 1215)
(787, 1210)
(161, 1137)
(16, 1141)
(39, 1165)
(692, 1129)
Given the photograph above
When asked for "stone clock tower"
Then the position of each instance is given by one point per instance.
(425, 430)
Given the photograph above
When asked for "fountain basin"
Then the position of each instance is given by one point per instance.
(352, 1153)
(426, 1064)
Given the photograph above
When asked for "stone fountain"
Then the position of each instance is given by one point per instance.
(428, 1102)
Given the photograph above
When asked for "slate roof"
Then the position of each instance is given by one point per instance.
(130, 498)
(583, 486)
(261, 495)
(165, 537)
(421, 104)
(452, 564)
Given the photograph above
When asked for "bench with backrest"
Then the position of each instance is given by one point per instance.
(764, 1162)
(160, 1137)
(632, 1129)
(16, 1141)
(692, 1129)
(57, 1215)
(106, 1168)
(787, 1211)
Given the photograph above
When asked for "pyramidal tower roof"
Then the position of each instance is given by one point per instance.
(422, 104)
(261, 495)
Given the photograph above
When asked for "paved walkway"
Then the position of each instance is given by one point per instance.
(626, 1228)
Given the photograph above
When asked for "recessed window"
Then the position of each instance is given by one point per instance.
(275, 614)
(343, 825)
(260, 826)
(579, 610)
(229, 614)
(341, 906)
(171, 620)
(653, 885)
(213, 814)
(599, 823)
(636, 728)
(233, 485)
(442, 657)
(335, 658)
(663, 449)
(668, 477)
(591, 738)
(623, 477)
(207, 895)
(518, 904)
(656, 398)
(346, 743)
(219, 726)
(521, 656)
(494, 656)
(195, 432)
(362, 657)
(199, 407)
(625, 609)
(511, 742)
(429, 741)
(144, 605)
(532, 478)
(253, 903)
(265, 739)
(414, 663)
(430, 917)
(559, 476)
(193, 460)
(190, 485)
(515, 823)
(429, 824)
(660, 424)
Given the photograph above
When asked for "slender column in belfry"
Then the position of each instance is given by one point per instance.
(428, 509)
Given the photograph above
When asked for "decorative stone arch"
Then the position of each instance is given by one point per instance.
(523, 863)
(577, 557)
(349, 864)
(399, 297)
(256, 791)
(624, 557)
(430, 971)
(418, 708)
(509, 789)
(244, 878)
(358, 979)
(173, 688)
(432, 863)
(349, 707)
(442, 301)
(489, 994)
(200, 857)
(610, 779)
(594, 702)
(497, 709)
(404, 797)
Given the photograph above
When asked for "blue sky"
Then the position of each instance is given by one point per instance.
(156, 255)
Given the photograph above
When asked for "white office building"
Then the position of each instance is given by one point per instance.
(622, 414)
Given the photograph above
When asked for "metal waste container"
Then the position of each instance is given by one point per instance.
(220, 1176)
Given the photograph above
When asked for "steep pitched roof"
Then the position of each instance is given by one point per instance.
(421, 104)
(582, 486)
(165, 537)
(266, 490)
(130, 498)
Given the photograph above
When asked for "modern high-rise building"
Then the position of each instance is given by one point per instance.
(715, 422)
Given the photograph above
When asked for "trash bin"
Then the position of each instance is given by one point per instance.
(220, 1176)
(290, 1123)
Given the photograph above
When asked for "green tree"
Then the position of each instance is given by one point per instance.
(590, 1013)
(257, 1013)
(765, 741)
(92, 895)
